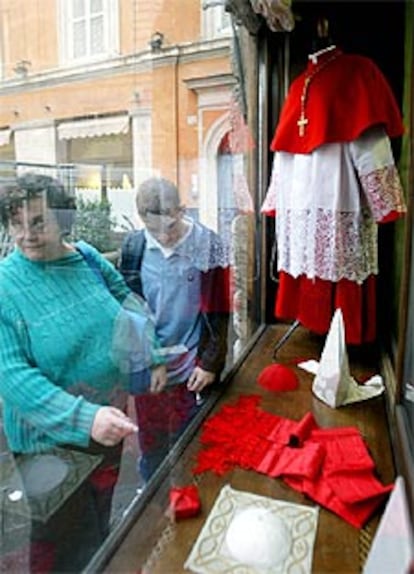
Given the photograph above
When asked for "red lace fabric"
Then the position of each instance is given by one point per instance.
(240, 139)
(331, 466)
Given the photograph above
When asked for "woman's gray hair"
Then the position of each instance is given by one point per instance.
(13, 194)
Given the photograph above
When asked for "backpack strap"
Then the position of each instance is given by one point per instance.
(132, 253)
(87, 254)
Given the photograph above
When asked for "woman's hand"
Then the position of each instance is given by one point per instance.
(158, 378)
(111, 425)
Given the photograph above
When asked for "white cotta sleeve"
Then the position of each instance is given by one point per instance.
(380, 181)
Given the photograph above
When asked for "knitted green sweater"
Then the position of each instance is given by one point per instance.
(56, 366)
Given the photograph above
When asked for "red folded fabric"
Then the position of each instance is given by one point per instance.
(184, 501)
(355, 487)
(303, 462)
(303, 430)
(270, 459)
(345, 449)
(321, 492)
(331, 466)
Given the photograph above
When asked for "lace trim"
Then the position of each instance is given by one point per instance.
(205, 249)
(328, 245)
(240, 137)
(384, 192)
(269, 203)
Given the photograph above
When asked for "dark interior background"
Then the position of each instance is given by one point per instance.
(373, 29)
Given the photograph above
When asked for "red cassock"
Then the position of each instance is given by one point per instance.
(333, 181)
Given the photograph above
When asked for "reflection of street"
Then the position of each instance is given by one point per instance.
(409, 405)
(242, 228)
(127, 491)
(130, 483)
(409, 392)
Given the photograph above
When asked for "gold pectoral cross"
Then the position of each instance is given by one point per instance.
(302, 122)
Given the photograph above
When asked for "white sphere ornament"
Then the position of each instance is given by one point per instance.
(257, 537)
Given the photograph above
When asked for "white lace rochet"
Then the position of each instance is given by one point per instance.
(328, 204)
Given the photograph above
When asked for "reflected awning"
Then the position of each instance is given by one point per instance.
(5, 137)
(93, 127)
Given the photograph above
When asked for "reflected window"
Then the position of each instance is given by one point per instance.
(216, 21)
(2, 31)
(89, 29)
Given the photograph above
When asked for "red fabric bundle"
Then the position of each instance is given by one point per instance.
(299, 462)
(184, 502)
(331, 466)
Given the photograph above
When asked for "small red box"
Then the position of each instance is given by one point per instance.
(184, 502)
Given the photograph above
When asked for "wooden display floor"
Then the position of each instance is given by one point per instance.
(158, 545)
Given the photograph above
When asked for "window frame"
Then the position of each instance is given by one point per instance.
(213, 14)
(111, 33)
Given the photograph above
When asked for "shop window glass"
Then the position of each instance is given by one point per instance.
(135, 99)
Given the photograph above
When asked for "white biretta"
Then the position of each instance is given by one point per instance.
(333, 383)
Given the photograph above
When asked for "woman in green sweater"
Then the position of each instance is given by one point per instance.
(60, 382)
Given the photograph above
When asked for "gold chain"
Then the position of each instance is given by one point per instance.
(303, 120)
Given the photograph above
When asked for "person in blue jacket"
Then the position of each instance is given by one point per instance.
(181, 269)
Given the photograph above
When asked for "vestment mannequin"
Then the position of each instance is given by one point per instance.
(333, 181)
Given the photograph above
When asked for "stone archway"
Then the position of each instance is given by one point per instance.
(208, 203)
